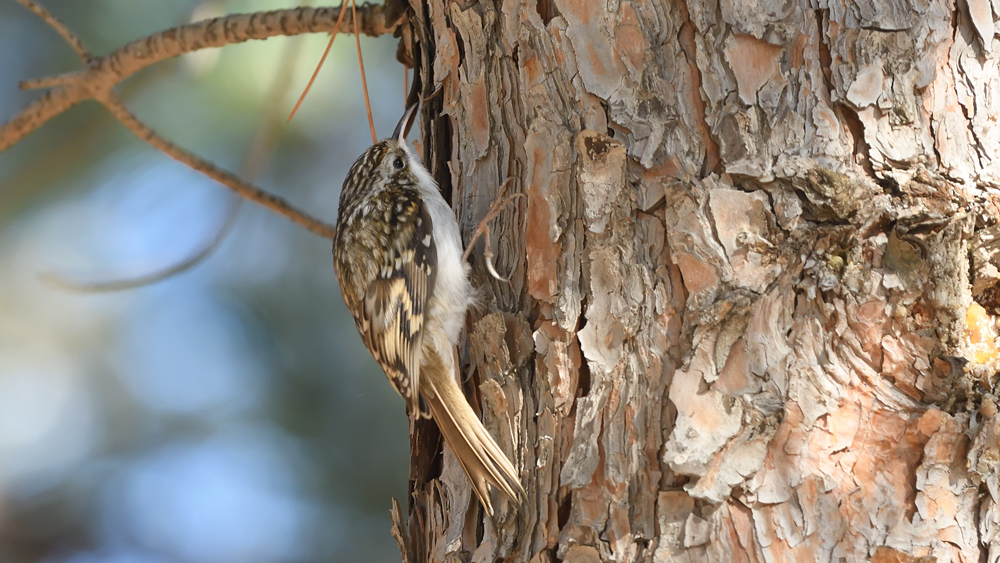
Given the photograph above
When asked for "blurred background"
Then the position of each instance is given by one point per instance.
(230, 413)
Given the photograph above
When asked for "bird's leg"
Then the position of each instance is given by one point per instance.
(483, 229)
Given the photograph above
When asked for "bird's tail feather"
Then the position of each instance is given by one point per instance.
(479, 455)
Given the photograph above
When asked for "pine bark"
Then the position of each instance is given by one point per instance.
(742, 323)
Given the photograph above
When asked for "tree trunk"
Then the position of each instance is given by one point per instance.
(740, 324)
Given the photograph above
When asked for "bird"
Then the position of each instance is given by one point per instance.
(398, 258)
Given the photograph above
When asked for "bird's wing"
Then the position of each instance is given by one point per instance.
(395, 303)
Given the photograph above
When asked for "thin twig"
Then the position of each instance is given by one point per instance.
(361, 65)
(230, 180)
(322, 59)
(49, 105)
(56, 24)
(46, 82)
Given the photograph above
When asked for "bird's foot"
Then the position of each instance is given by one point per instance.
(483, 229)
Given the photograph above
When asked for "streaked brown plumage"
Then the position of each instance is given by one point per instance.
(397, 256)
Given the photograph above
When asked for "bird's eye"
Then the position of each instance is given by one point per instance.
(398, 163)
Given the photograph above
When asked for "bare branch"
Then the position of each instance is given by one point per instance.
(236, 28)
(49, 105)
(230, 180)
(60, 27)
(46, 82)
(102, 74)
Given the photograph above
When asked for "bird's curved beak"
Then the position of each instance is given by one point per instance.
(405, 122)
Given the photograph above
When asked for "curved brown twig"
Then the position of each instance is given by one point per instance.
(59, 27)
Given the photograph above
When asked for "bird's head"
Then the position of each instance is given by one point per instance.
(389, 162)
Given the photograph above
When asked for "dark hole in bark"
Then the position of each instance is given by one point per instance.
(861, 148)
(480, 528)
(564, 506)
(643, 545)
(990, 299)
(606, 108)
(881, 224)
(431, 459)
(461, 48)
(889, 185)
(442, 154)
(546, 10)
(596, 147)
(584, 383)
(825, 59)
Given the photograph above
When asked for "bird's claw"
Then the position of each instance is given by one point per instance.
(483, 229)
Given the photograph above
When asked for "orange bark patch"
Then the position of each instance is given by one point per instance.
(905, 359)
(580, 10)
(593, 40)
(674, 506)
(695, 101)
(446, 59)
(796, 54)
(559, 361)
(889, 555)
(542, 252)
(534, 71)
(753, 62)
(735, 378)
(629, 38)
(868, 321)
(479, 111)
(541, 246)
(743, 528)
(697, 274)
(843, 425)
